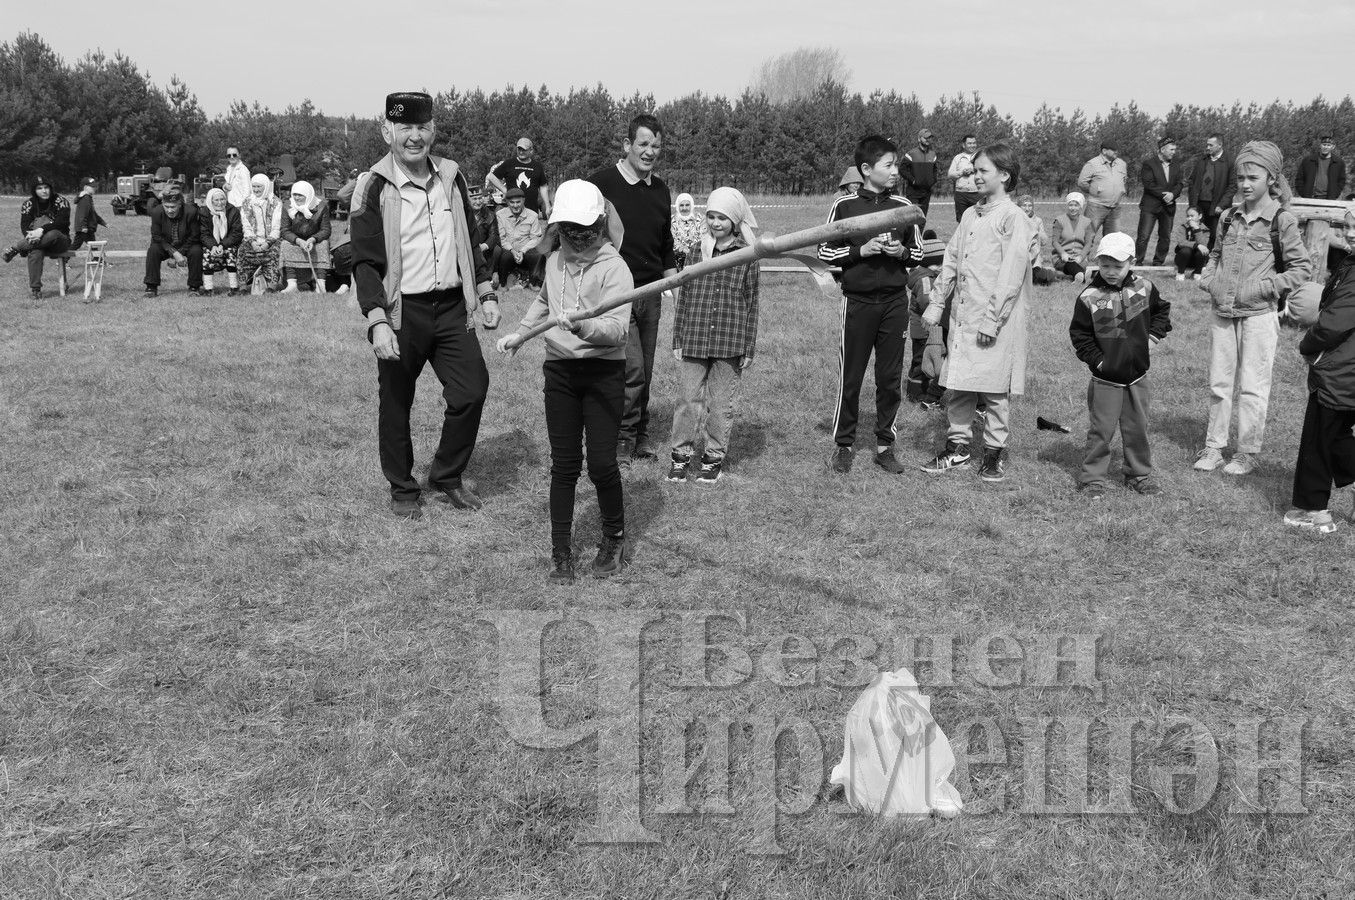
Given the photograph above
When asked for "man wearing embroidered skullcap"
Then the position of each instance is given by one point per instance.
(419, 278)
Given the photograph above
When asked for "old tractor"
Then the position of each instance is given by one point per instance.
(139, 193)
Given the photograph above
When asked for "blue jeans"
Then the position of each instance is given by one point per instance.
(644, 337)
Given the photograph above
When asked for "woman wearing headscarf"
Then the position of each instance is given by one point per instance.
(219, 225)
(261, 226)
(687, 227)
(45, 220)
(714, 338)
(1257, 260)
(305, 239)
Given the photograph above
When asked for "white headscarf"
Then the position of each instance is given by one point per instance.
(218, 218)
(1076, 195)
(677, 205)
(264, 180)
(306, 208)
(730, 203)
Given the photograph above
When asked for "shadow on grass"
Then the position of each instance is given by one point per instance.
(1186, 432)
(501, 460)
(749, 440)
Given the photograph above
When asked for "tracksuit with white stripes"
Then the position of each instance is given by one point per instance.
(874, 318)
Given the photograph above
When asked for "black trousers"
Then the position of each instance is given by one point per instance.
(921, 198)
(52, 243)
(1210, 220)
(434, 330)
(1326, 455)
(1070, 268)
(964, 200)
(866, 327)
(526, 269)
(340, 267)
(1189, 256)
(1161, 215)
(155, 255)
(584, 398)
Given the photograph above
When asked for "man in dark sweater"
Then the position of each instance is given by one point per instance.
(1210, 185)
(644, 204)
(175, 236)
(1321, 175)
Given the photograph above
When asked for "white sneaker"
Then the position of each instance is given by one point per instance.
(1180, 276)
(1208, 460)
(1318, 520)
(1196, 276)
(1080, 276)
(343, 289)
(1240, 464)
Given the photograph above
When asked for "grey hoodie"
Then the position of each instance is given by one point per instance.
(584, 280)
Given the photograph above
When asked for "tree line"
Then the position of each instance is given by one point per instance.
(102, 116)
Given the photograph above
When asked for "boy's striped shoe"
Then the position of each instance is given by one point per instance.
(1318, 520)
(954, 456)
(677, 469)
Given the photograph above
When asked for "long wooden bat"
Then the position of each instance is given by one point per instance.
(768, 245)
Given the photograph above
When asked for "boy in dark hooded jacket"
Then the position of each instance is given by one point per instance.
(45, 220)
(1327, 447)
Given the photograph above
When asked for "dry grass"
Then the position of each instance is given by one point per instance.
(225, 671)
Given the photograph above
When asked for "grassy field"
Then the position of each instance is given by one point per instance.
(227, 672)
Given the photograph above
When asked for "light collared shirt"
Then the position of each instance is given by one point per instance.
(521, 232)
(427, 249)
(629, 174)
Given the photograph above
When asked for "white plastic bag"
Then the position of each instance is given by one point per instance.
(895, 758)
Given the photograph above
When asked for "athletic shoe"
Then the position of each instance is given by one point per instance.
(198, 292)
(1240, 464)
(36, 293)
(1092, 491)
(10, 253)
(677, 469)
(1180, 276)
(886, 460)
(1318, 520)
(1197, 276)
(842, 459)
(993, 468)
(561, 565)
(1147, 486)
(233, 292)
(710, 469)
(930, 405)
(1208, 460)
(644, 449)
(611, 557)
(151, 292)
(954, 456)
(1080, 276)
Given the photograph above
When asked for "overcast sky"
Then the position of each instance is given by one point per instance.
(347, 55)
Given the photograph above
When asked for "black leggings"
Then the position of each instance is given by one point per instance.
(584, 399)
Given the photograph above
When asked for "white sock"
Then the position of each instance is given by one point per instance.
(232, 280)
(880, 448)
(207, 283)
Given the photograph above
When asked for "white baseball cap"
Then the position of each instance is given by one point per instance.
(1116, 245)
(578, 202)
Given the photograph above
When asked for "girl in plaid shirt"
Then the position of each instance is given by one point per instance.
(714, 338)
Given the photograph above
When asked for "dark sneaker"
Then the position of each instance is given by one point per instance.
(1147, 486)
(930, 405)
(198, 292)
(406, 509)
(611, 557)
(151, 291)
(886, 460)
(710, 469)
(677, 469)
(644, 449)
(233, 292)
(1092, 491)
(954, 456)
(10, 253)
(561, 566)
(994, 467)
(842, 459)
(36, 293)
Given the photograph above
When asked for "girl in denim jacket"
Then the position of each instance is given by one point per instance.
(1247, 288)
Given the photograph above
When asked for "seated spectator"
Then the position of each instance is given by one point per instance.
(1069, 240)
(219, 226)
(1193, 253)
(305, 240)
(851, 180)
(520, 232)
(45, 220)
(175, 239)
(87, 219)
(687, 228)
(486, 228)
(261, 223)
(1040, 273)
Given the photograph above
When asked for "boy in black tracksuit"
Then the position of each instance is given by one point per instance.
(1115, 320)
(875, 305)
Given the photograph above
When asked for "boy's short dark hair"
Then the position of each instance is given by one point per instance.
(644, 120)
(1003, 158)
(965, 139)
(870, 148)
(1110, 144)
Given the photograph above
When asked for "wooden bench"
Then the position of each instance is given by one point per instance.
(96, 257)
